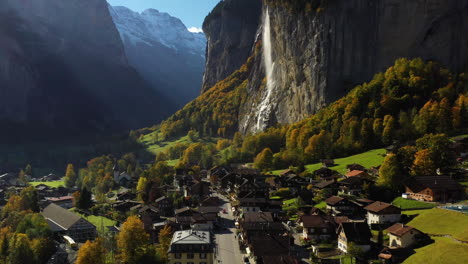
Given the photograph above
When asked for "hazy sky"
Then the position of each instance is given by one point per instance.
(191, 12)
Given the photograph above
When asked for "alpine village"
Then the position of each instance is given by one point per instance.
(280, 132)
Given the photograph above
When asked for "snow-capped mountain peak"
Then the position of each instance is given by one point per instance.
(152, 26)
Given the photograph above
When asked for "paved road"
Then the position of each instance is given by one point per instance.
(227, 245)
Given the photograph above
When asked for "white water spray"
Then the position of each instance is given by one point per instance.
(265, 107)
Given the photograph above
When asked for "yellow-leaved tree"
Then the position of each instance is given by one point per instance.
(92, 252)
(132, 241)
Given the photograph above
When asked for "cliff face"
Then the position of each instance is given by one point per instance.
(231, 32)
(318, 55)
(63, 65)
(163, 51)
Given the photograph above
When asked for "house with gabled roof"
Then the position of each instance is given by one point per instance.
(380, 213)
(191, 246)
(357, 233)
(64, 222)
(434, 189)
(401, 235)
(337, 206)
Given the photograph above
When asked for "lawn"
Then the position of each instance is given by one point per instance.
(406, 204)
(156, 147)
(51, 184)
(367, 159)
(100, 222)
(444, 250)
(442, 222)
(290, 204)
(322, 205)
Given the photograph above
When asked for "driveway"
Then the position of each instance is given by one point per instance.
(227, 246)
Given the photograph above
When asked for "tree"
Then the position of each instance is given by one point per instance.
(390, 173)
(20, 251)
(28, 170)
(438, 146)
(132, 240)
(84, 200)
(141, 188)
(29, 199)
(423, 164)
(165, 237)
(264, 159)
(354, 251)
(92, 252)
(388, 133)
(70, 176)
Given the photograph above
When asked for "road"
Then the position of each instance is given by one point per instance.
(228, 251)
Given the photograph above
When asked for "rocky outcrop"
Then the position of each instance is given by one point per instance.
(63, 66)
(231, 32)
(163, 51)
(321, 53)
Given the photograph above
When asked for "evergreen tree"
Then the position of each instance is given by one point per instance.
(70, 176)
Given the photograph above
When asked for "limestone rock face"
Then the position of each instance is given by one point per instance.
(319, 55)
(231, 33)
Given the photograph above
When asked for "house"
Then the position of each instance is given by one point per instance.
(269, 246)
(318, 227)
(381, 213)
(64, 222)
(331, 184)
(253, 229)
(9, 179)
(403, 236)
(395, 255)
(357, 233)
(354, 166)
(287, 173)
(148, 215)
(127, 195)
(328, 163)
(199, 189)
(122, 179)
(340, 206)
(165, 206)
(434, 189)
(124, 206)
(252, 204)
(211, 201)
(64, 201)
(191, 246)
(191, 218)
(357, 173)
(353, 185)
(325, 173)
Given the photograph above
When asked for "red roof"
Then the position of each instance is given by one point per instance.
(355, 173)
(399, 229)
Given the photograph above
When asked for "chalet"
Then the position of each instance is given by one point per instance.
(211, 201)
(353, 185)
(200, 189)
(252, 204)
(256, 217)
(357, 233)
(165, 206)
(380, 213)
(328, 163)
(126, 195)
(293, 182)
(191, 218)
(124, 206)
(357, 173)
(331, 184)
(354, 166)
(148, 215)
(254, 229)
(65, 201)
(340, 206)
(434, 189)
(256, 186)
(64, 222)
(269, 246)
(403, 236)
(318, 227)
(325, 173)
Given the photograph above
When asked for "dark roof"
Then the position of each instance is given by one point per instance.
(257, 217)
(162, 198)
(270, 245)
(399, 229)
(208, 209)
(324, 184)
(334, 200)
(357, 232)
(417, 184)
(280, 260)
(317, 221)
(60, 217)
(267, 226)
(377, 207)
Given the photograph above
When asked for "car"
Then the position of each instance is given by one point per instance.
(246, 260)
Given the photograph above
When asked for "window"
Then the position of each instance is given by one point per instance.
(190, 255)
(203, 255)
(177, 255)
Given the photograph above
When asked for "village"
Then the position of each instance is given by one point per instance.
(237, 214)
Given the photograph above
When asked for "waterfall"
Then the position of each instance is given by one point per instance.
(265, 107)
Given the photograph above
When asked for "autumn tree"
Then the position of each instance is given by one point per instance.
(264, 159)
(92, 252)
(423, 164)
(165, 237)
(20, 250)
(132, 241)
(70, 176)
(29, 199)
(141, 188)
(390, 173)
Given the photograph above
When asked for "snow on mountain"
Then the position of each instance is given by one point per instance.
(153, 26)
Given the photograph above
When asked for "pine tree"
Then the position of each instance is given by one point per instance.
(70, 176)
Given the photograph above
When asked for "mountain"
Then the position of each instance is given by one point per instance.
(314, 52)
(63, 70)
(163, 51)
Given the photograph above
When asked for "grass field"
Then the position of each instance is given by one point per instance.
(406, 204)
(367, 159)
(99, 221)
(442, 222)
(322, 205)
(52, 184)
(444, 250)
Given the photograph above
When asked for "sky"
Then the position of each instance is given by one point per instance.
(191, 12)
